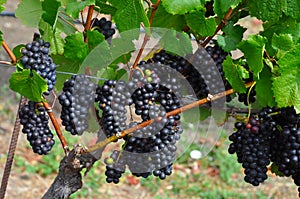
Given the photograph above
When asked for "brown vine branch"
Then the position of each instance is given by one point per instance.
(88, 20)
(56, 127)
(215, 97)
(11, 150)
(220, 26)
(146, 38)
(9, 52)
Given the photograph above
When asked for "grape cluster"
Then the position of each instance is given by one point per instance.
(77, 97)
(219, 55)
(103, 26)
(190, 72)
(34, 119)
(36, 57)
(115, 167)
(273, 135)
(152, 92)
(113, 97)
(251, 144)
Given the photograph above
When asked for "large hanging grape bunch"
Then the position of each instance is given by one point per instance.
(76, 99)
(272, 135)
(35, 120)
(36, 57)
(152, 92)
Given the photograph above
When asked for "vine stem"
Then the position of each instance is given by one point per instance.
(56, 127)
(220, 26)
(88, 20)
(11, 150)
(9, 52)
(146, 38)
(200, 102)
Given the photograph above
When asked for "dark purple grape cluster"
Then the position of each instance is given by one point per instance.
(272, 135)
(115, 167)
(251, 143)
(219, 55)
(152, 92)
(36, 57)
(113, 97)
(77, 97)
(104, 26)
(34, 119)
(189, 72)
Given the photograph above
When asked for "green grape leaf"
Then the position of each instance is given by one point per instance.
(204, 113)
(274, 169)
(129, 16)
(234, 73)
(293, 9)
(120, 73)
(221, 7)
(286, 25)
(97, 59)
(53, 37)
(50, 8)
(201, 25)
(253, 49)
(233, 34)
(164, 19)
(286, 87)
(264, 94)
(64, 65)
(266, 10)
(73, 8)
(1, 5)
(182, 6)
(176, 42)
(121, 49)
(282, 42)
(17, 51)
(94, 38)
(108, 72)
(65, 23)
(75, 48)
(105, 8)
(29, 85)
(30, 12)
(1, 39)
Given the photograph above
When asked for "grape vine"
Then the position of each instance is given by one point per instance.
(104, 71)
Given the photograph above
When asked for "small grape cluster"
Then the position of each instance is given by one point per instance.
(77, 97)
(115, 167)
(36, 57)
(34, 119)
(273, 135)
(104, 26)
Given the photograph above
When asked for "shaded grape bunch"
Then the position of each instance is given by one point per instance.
(34, 119)
(103, 26)
(115, 167)
(36, 57)
(77, 97)
(219, 55)
(189, 72)
(113, 97)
